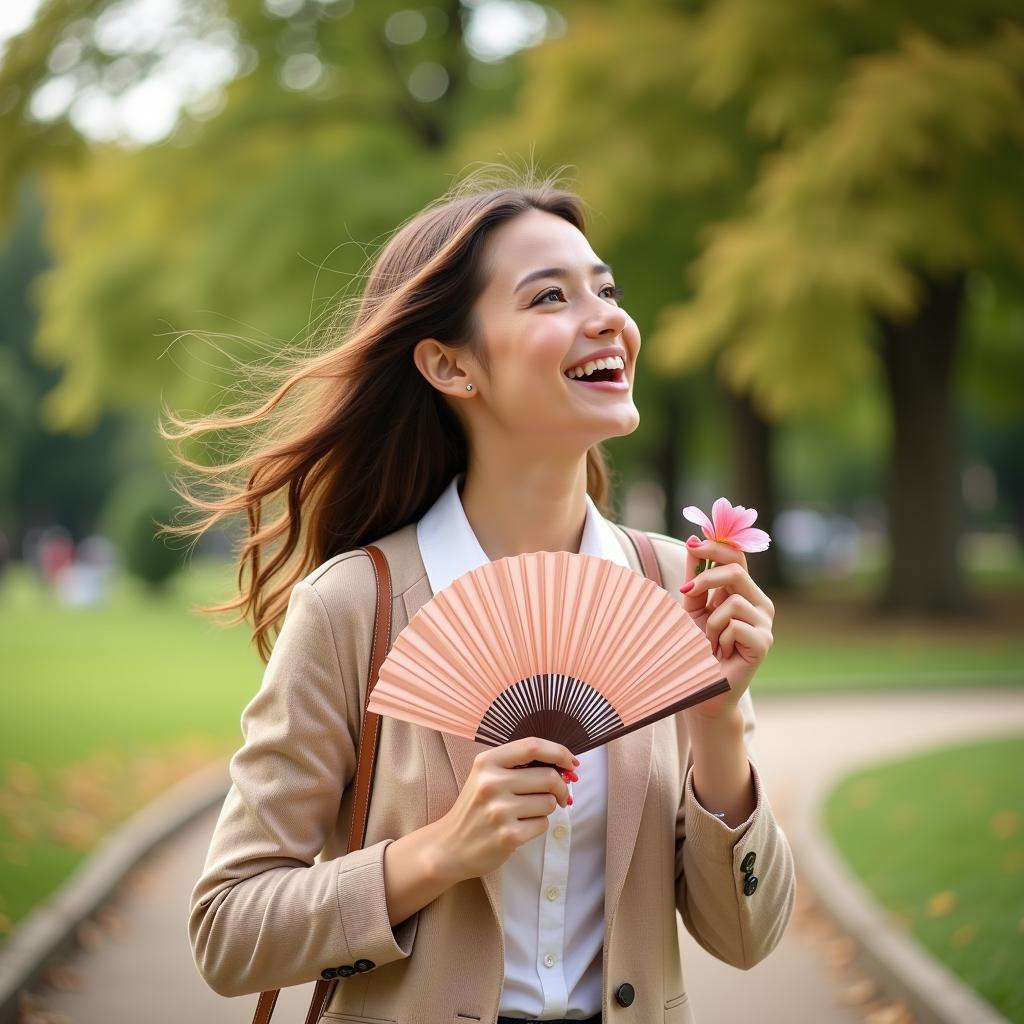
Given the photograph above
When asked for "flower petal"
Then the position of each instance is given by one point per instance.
(723, 515)
(744, 519)
(694, 515)
(751, 540)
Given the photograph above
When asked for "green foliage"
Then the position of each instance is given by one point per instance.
(905, 167)
(937, 839)
(132, 515)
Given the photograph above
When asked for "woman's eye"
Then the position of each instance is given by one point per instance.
(609, 291)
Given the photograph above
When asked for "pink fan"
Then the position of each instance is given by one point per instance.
(568, 647)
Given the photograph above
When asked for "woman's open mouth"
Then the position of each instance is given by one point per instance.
(601, 374)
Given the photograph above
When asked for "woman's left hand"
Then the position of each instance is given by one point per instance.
(734, 614)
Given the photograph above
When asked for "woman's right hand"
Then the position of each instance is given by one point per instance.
(501, 806)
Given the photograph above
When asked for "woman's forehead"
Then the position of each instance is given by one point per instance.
(535, 240)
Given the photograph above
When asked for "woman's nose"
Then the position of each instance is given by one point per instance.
(608, 321)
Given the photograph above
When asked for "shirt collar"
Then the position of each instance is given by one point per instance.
(449, 547)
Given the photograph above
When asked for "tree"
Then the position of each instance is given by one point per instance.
(896, 142)
(335, 129)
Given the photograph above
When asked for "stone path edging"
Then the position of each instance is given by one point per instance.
(936, 995)
(49, 930)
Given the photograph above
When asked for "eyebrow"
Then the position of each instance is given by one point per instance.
(559, 272)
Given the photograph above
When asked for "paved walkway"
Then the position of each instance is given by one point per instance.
(140, 967)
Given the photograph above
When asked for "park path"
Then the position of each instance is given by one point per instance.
(140, 968)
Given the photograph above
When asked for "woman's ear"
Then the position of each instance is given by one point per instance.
(444, 368)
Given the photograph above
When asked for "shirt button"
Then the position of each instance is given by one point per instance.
(560, 831)
(549, 960)
(552, 892)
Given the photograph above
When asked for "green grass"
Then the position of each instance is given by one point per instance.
(100, 708)
(827, 637)
(939, 840)
(137, 672)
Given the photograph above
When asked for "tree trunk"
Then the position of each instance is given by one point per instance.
(669, 460)
(754, 483)
(925, 573)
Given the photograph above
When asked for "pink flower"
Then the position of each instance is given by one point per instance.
(730, 524)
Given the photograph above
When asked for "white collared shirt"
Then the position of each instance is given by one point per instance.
(553, 917)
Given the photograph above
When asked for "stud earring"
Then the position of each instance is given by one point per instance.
(469, 387)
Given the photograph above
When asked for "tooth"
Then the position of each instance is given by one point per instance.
(601, 364)
(590, 367)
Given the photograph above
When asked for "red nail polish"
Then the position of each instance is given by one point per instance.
(686, 587)
(576, 761)
(569, 800)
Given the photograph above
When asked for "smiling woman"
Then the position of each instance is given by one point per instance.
(494, 288)
(458, 420)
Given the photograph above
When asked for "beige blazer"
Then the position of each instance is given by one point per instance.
(279, 901)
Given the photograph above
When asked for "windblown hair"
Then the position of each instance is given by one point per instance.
(351, 443)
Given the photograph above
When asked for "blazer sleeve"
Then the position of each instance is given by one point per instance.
(735, 921)
(264, 914)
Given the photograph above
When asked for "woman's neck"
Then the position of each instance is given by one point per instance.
(515, 509)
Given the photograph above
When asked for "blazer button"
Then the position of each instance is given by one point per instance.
(748, 863)
(625, 994)
(328, 973)
(346, 971)
(750, 885)
(364, 965)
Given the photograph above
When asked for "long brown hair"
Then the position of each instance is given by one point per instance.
(353, 442)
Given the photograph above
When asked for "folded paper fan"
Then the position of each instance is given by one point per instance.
(569, 647)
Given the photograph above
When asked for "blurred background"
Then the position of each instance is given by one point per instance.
(815, 211)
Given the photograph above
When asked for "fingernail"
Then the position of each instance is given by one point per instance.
(693, 542)
(573, 777)
(569, 801)
(686, 587)
(576, 761)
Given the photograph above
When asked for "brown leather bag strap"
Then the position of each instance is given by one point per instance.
(645, 552)
(369, 740)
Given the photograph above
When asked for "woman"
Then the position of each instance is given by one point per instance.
(449, 429)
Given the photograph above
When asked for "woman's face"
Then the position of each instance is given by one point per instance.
(550, 305)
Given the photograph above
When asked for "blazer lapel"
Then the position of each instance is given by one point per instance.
(629, 771)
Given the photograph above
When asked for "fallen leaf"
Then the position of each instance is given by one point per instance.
(75, 829)
(112, 920)
(840, 952)
(22, 777)
(65, 978)
(864, 792)
(861, 991)
(890, 1013)
(1005, 824)
(941, 904)
(963, 935)
(89, 935)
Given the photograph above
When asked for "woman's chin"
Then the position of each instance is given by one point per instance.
(617, 423)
